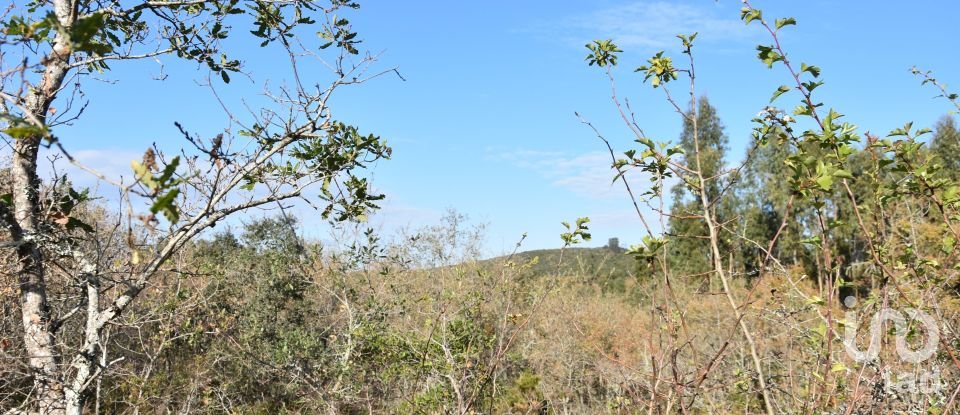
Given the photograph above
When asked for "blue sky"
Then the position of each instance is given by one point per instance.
(485, 124)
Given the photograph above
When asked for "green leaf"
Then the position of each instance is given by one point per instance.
(164, 204)
(748, 15)
(602, 53)
(902, 131)
(811, 85)
(20, 130)
(825, 182)
(948, 244)
(687, 41)
(785, 21)
(85, 35)
(780, 91)
(812, 70)
(660, 68)
(169, 171)
(843, 174)
(646, 141)
(768, 55)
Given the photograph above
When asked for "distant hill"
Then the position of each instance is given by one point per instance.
(606, 267)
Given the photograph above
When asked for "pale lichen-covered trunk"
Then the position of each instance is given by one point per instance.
(38, 338)
(38, 334)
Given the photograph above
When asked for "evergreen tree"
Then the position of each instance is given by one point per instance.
(689, 247)
(946, 145)
(762, 195)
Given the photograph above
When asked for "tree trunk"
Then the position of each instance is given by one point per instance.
(38, 338)
(38, 335)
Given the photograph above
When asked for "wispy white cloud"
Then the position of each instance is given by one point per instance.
(649, 25)
(588, 175)
(112, 163)
(109, 162)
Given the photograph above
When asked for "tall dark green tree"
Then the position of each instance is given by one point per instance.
(946, 145)
(689, 247)
(763, 199)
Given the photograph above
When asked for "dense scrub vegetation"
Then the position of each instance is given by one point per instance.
(743, 303)
(255, 320)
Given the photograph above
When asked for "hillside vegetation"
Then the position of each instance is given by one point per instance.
(609, 269)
